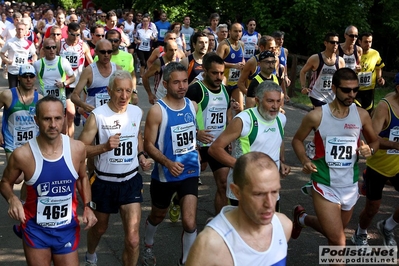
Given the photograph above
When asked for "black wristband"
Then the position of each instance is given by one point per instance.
(142, 153)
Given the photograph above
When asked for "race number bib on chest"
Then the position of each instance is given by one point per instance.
(183, 138)
(340, 151)
(52, 90)
(234, 74)
(393, 136)
(23, 133)
(20, 59)
(124, 153)
(72, 57)
(54, 212)
(102, 98)
(364, 79)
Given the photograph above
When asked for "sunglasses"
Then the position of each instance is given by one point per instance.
(353, 35)
(74, 34)
(333, 42)
(100, 35)
(114, 40)
(56, 34)
(50, 47)
(105, 51)
(25, 76)
(348, 90)
(103, 16)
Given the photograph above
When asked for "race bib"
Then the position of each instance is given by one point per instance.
(54, 212)
(72, 57)
(162, 32)
(52, 90)
(123, 154)
(145, 44)
(183, 138)
(234, 75)
(22, 134)
(101, 98)
(393, 136)
(340, 152)
(215, 120)
(20, 59)
(364, 79)
(187, 38)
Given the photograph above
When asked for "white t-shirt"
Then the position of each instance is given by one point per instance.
(18, 51)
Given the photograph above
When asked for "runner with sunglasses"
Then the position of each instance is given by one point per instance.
(349, 51)
(323, 66)
(334, 169)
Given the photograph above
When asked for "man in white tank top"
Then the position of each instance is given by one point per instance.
(230, 237)
(334, 170)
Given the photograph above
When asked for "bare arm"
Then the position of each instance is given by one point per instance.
(286, 223)
(379, 121)
(83, 81)
(86, 51)
(10, 176)
(310, 122)
(154, 56)
(311, 64)
(369, 134)
(217, 149)
(88, 134)
(84, 187)
(153, 121)
(155, 67)
(209, 249)
(341, 62)
(245, 73)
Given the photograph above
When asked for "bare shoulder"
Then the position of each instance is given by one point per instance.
(313, 118)
(364, 115)
(286, 223)
(209, 249)
(154, 114)
(78, 147)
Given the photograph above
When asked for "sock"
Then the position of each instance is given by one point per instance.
(149, 233)
(302, 219)
(187, 241)
(390, 223)
(361, 231)
(91, 257)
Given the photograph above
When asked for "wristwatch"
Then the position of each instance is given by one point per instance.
(92, 205)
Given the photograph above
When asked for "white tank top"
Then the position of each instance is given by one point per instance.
(75, 56)
(97, 94)
(241, 252)
(120, 161)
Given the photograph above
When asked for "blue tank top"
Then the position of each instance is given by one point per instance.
(177, 140)
(18, 123)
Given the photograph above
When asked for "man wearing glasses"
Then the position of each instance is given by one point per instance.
(334, 170)
(323, 65)
(102, 17)
(97, 33)
(122, 59)
(349, 51)
(111, 22)
(53, 71)
(96, 78)
(76, 51)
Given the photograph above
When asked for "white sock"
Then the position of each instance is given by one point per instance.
(149, 233)
(390, 223)
(91, 257)
(302, 219)
(361, 231)
(187, 241)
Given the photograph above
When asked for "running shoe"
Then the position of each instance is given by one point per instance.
(360, 240)
(297, 227)
(387, 235)
(174, 210)
(148, 258)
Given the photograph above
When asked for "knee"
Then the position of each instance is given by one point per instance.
(99, 229)
(337, 239)
(132, 240)
(189, 225)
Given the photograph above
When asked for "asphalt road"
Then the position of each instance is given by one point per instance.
(303, 251)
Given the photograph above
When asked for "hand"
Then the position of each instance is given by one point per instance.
(306, 90)
(204, 136)
(309, 168)
(364, 149)
(113, 141)
(286, 98)
(144, 163)
(234, 105)
(88, 108)
(89, 218)
(240, 65)
(175, 168)
(287, 80)
(381, 81)
(152, 98)
(59, 84)
(284, 170)
(358, 68)
(16, 210)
